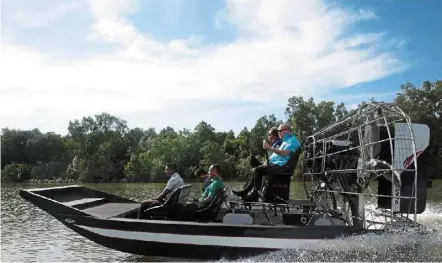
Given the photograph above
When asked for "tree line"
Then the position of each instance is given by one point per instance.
(103, 148)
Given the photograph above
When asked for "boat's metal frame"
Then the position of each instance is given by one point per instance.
(360, 130)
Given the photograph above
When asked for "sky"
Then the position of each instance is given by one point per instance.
(158, 63)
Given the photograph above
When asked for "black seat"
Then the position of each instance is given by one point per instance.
(276, 185)
(172, 206)
(210, 212)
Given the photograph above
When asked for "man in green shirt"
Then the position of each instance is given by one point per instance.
(213, 187)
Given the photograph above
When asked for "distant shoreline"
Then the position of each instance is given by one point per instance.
(64, 182)
(54, 182)
(74, 182)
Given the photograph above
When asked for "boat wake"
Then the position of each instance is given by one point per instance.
(400, 246)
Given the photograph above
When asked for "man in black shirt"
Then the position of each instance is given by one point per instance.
(273, 137)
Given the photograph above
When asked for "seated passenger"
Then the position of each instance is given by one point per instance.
(202, 174)
(273, 137)
(215, 184)
(276, 141)
(175, 182)
(278, 159)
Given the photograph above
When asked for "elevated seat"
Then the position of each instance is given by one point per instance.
(210, 212)
(172, 206)
(276, 185)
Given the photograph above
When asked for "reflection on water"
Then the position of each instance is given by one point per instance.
(29, 234)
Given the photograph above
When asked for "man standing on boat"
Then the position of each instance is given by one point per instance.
(175, 181)
(279, 158)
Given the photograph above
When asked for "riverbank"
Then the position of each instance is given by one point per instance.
(123, 181)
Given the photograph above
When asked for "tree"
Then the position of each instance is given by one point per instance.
(14, 145)
(16, 172)
(424, 105)
(307, 117)
(101, 148)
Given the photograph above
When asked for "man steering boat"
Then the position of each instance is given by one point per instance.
(277, 160)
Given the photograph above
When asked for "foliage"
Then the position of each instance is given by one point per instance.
(50, 170)
(424, 105)
(102, 148)
(16, 172)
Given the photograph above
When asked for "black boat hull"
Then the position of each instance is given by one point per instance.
(103, 218)
(162, 249)
(203, 241)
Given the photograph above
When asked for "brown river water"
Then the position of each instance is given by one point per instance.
(29, 234)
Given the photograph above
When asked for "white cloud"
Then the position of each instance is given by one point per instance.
(285, 48)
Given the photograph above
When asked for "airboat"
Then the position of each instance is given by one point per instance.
(365, 174)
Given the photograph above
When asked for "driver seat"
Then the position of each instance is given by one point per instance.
(276, 185)
(173, 205)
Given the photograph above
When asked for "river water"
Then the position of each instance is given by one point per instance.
(29, 234)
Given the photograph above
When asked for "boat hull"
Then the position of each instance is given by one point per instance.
(108, 220)
(203, 240)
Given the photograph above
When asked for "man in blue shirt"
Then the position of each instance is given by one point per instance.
(277, 160)
(289, 144)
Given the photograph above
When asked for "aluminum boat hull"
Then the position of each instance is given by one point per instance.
(164, 238)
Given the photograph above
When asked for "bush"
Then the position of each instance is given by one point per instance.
(16, 172)
(49, 170)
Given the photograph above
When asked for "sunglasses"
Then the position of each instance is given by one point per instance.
(282, 130)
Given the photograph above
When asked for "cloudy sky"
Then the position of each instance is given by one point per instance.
(177, 62)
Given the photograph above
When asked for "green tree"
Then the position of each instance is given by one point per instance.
(307, 117)
(101, 148)
(424, 105)
(16, 172)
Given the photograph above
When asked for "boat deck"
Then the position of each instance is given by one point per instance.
(105, 206)
(101, 207)
(82, 201)
(109, 210)
(72, 199)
